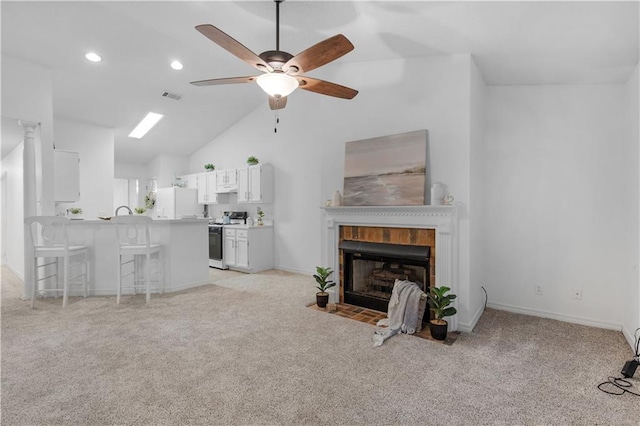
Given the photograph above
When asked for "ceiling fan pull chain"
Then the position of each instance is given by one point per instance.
(277, 120)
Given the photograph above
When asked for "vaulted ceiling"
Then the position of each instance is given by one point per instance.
(512, 43)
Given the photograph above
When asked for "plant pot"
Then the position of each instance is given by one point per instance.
(252, 164)
(438, 329)
(322, 299)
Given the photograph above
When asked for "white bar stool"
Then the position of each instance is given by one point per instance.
(48, 236)
(136, 248)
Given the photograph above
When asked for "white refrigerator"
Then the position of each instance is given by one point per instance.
(176, 203)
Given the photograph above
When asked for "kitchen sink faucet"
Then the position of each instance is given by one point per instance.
(123, 207)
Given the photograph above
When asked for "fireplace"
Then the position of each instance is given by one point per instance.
(369, 271)
(433, 226)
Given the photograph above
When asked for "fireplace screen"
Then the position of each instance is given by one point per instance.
(370, 271)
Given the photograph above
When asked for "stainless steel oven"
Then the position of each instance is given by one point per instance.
(216, 246)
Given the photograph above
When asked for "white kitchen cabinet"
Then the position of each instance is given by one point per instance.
(248, 249)
(206, 185)
(66, 176)
(255, 184)
(226, 180)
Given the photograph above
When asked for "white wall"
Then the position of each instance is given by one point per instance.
(165, 167)
(558, 202)
(631, 319)
(308, 151)
(476, 243)
(96, 148)
(13, 211)
(27, 95)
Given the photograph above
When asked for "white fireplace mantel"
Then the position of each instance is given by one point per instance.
(444, 219)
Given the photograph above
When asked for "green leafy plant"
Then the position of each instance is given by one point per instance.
(439, 302)
(322, 278)
(75, 210)
(252, 161)
(209, 166)
(140, 210)
(260, 213)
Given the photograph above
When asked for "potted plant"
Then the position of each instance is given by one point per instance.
(75, 211)
(140, 210)
(252, 161)
(209, 167)
(260, 214)
(322, 278)
(439, 303)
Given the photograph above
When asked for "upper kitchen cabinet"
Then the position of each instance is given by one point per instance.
(66, 177)
(255, 184)
(226, 180)
(206, 185)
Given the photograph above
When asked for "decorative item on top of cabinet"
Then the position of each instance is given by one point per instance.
(252, 161)
(209, 167)
(255, 184)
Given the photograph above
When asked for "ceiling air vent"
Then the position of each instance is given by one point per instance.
(173, 96)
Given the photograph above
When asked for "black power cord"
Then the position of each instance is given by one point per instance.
(620, 385)
(486, 298)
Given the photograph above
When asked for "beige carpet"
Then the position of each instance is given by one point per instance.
(245, 350)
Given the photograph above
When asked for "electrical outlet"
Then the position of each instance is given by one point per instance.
(577, 293)
(538, 290)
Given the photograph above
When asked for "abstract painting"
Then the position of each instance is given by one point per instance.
(386, 171)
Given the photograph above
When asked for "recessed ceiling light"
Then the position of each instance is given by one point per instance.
(176, 65)
(93, 57)
(145, 125)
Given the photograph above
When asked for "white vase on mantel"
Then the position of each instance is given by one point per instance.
(336, 201)
(437, 194)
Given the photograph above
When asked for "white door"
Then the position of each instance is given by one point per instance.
(232, 177)
(243, 185)
(255, 187)
(229, 252)
(212, 196)
(201, 184)
(242, 251)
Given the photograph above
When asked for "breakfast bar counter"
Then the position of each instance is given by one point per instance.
(185, 253)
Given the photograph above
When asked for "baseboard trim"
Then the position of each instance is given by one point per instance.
(106, 292)
(560, 317)
(628, 335)
(468, 328)
(294, 270)
(15, 271)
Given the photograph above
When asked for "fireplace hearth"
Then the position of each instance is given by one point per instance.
(370, 270)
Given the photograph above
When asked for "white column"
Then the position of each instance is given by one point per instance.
(30, 199)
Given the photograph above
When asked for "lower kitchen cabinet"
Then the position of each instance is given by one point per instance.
(248, 249)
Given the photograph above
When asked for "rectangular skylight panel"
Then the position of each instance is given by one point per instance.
(145, 125)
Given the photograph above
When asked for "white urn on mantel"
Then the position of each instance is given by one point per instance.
(336, 201)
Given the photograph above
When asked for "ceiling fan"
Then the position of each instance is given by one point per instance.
(282, 71)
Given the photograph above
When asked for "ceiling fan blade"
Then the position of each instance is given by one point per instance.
(278, 103)
(230, 80)
(233, 46)
(320, 54)
(326, 88)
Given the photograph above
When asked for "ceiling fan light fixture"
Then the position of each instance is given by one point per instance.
(277, 84)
